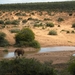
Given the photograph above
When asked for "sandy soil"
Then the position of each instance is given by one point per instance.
(41, 35)
(54, 57)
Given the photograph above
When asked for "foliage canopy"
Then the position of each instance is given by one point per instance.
(24, 66)
(25, 34)
(47, 6)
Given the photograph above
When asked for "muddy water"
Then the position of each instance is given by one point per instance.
(46, 49)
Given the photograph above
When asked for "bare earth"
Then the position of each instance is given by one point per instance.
(54, 57)
(41, 35)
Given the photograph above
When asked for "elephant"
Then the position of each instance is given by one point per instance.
(19, 52)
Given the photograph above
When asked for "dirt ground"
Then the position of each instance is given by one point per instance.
(54, 57)
(41, 35)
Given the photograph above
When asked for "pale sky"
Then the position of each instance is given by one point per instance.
(27, 1)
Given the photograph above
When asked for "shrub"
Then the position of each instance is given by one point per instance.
(45, 19)
(19, 18)
(52, 32)
(72, 31)
(60, 19)
(67, 31)
(71, 67)
(1, 22)
(2, 34)
(50, 25)
(58, 25)
(26, 35)
(32, 13)
(24, 66)
(24, 21)
(26, 38)
(15, 22)
(22, 43)
(18, 14)
(73, 25)
(8, 22)
(3, 41)
(43, 27)
(62, 30)
(38, 25)
(70, 14)
(15, 30)
(34, 44)
(3, 26)
(30, 18)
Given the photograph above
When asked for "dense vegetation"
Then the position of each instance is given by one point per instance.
(49, 6)
(71, 67)
(25, 34)
(3, 41)
(25, 66)
(26, 37)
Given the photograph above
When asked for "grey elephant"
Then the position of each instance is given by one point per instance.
(19, 52)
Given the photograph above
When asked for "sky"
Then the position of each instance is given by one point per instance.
(27, 1)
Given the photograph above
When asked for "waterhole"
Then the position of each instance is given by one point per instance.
(46, 49)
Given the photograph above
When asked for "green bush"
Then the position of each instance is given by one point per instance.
(15, 30)
(34, 44)
(38, 25)
(60, 19)
(52, 32)
(15, 22)
(72, 31)
(30, 18)
(3, 41)
(46, 19)
(1, 22)
(24, 21)
(67, 31)
(71, 67)
(70, 14)
(26, 38)
(8, 22)
(3, 26)
(73, 25)
(26, 35)
(18, 14)
(22, 43)
(49, 24)
(24, 66)
(2, 34)
(58, 25)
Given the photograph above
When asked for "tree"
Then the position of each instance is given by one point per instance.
(26, 35)
(26, 38)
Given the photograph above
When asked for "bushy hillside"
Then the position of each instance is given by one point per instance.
(49, 6)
